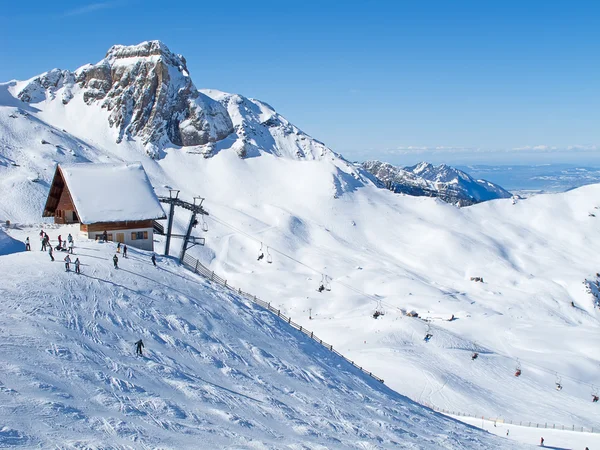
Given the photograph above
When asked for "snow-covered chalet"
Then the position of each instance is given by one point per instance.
(114, 198)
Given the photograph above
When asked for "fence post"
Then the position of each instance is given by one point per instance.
(278, 313)
(331, 347)
(196, 269)
(289, 320)
(225, 283)
(301, 328)
(311, 334)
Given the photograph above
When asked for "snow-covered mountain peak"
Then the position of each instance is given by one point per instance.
(425, 179)
(147, 49)
(150, 97)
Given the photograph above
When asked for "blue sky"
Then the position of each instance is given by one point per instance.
(448, 81)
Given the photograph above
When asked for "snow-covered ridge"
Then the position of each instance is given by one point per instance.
(149, 95)
(425, 179)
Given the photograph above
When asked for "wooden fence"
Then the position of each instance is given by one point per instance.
(194, 265)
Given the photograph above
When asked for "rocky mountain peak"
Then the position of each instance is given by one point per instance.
(146, 49)
(443, 181)
(150, 94)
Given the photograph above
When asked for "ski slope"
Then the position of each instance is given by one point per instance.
(217, 371)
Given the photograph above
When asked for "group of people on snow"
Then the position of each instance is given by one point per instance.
(68, 246)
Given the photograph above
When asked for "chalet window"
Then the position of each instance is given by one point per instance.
(110, 236)
(75, 218)
(138, 235)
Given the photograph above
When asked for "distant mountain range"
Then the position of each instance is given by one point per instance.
(424, 179)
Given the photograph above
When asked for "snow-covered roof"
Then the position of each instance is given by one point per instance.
(111, 192)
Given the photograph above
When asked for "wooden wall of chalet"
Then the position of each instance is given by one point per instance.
(65, 208)
(99, 227)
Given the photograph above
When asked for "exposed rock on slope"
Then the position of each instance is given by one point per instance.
(424, 179)
(149, 94)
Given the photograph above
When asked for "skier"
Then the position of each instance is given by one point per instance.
(27, 246)
(541, 442)
(115, 261)
(507, 431)
(71, 247)
(43, 244)
(50, 252)
(124, 251)
(153, 258)
(118, 247)
(321, 288)
(67, 263)
(474, 356)
(69, 238)
(261, 256)
(105, 236)
(139, 345)
(41, 234)
(59, 242)
(77, 264)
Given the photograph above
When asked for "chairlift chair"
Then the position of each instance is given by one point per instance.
(379, 311)
(269, 257)
(518, 369)
(328, 284)
(594, 395)
(428, 334)
(204, 225)
(261, 255)
(558, 383)
(474, 356)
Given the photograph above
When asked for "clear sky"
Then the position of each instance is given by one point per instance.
(452, 81)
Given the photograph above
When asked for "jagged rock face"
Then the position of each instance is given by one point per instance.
(149, 94)
(424, 179)
(46, 86)
(259, 128)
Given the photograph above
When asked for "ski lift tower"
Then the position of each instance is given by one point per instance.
(196, 208)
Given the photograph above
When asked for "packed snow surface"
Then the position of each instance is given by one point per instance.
(111, 192)
(217, 372)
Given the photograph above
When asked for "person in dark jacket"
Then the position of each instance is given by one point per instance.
(153, 258)
(139, 345)
(50, 252)
(67, 263)
(44, 242)
(124, 251)
(77, 264)
(27, 246)
(115, 261)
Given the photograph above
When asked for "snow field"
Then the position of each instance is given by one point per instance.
(216, 369)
